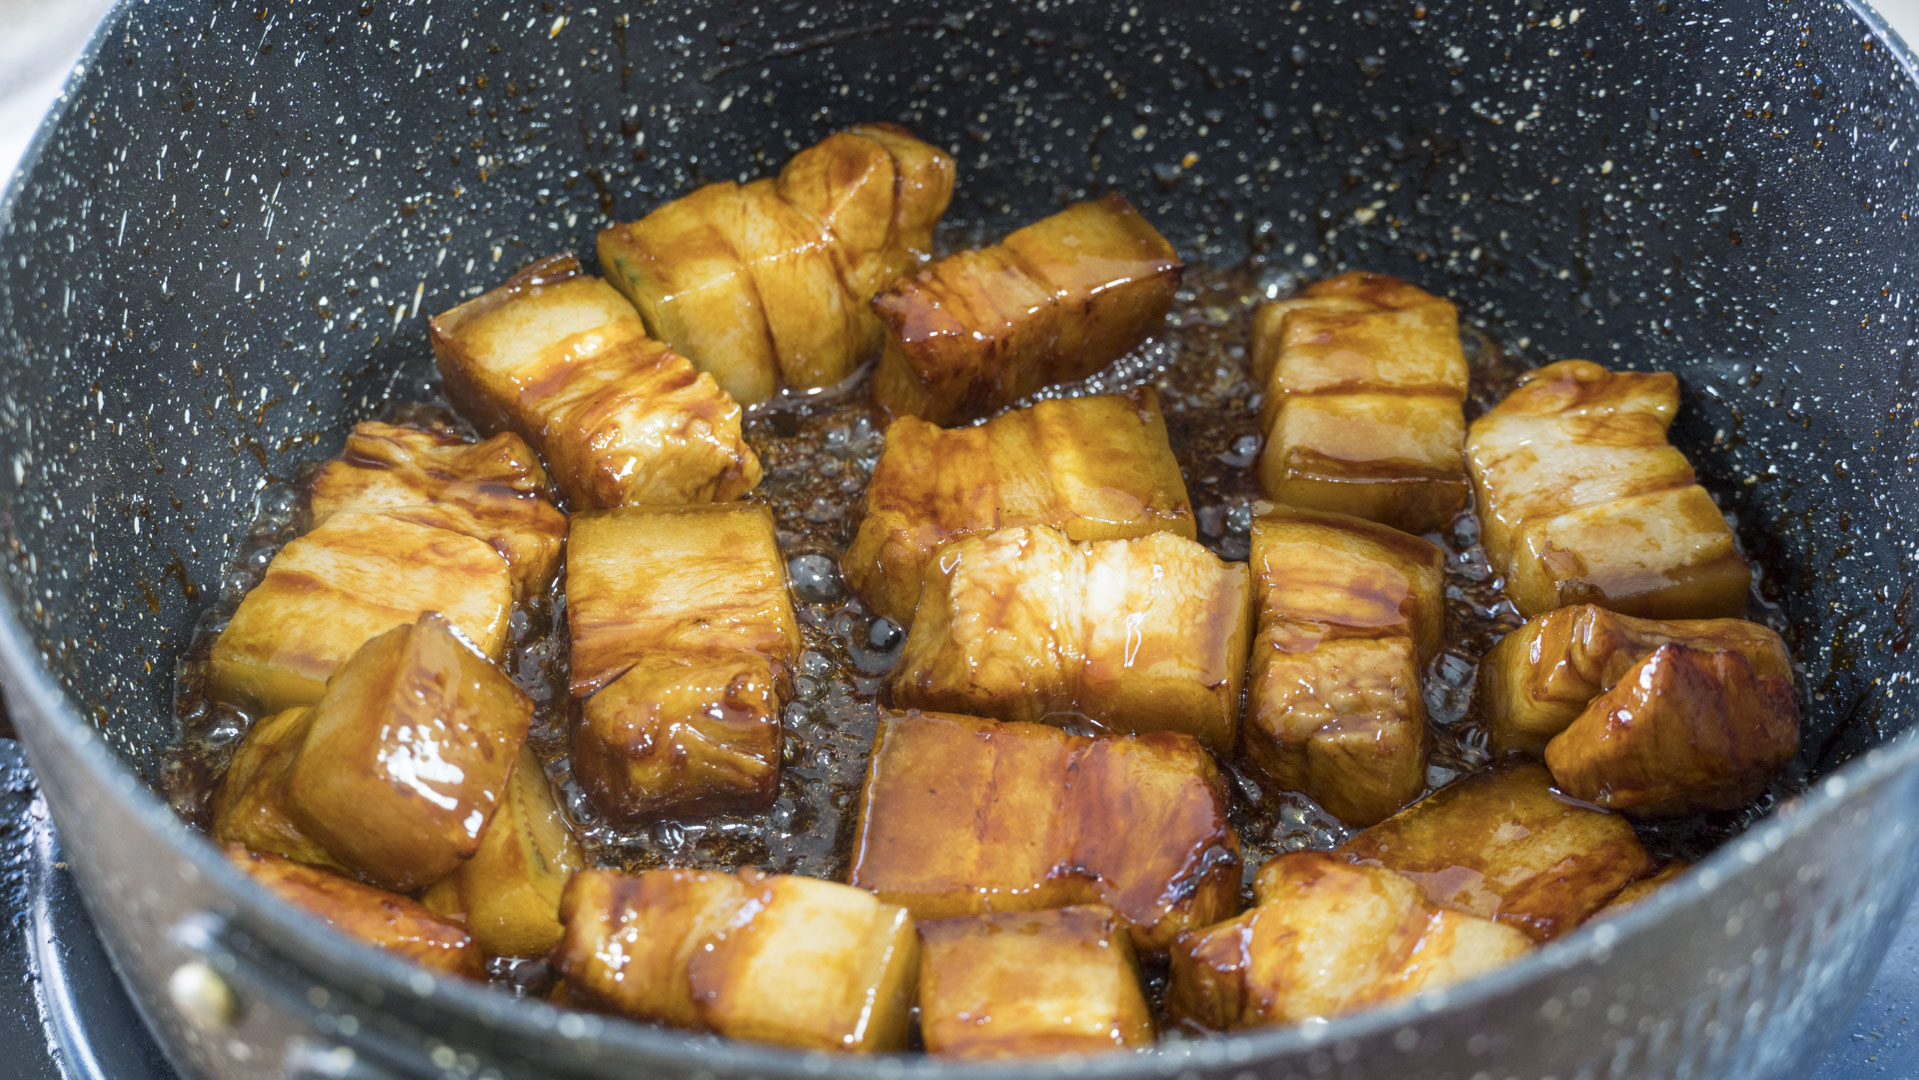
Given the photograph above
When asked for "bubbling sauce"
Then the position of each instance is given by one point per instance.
(818, 452)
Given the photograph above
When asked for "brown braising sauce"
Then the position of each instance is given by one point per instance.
(818, 453)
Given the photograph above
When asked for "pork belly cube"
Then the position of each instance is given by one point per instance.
(494, 491)
(768, 282)
(1364, 384)
(1502, 844)
(1096, 468)
(1686, 730)
(349, 580)
(766, 957)
(689, 580)
(249, 807)
(964, 816)
(560, 358)
(1147, 634)
(1026, 984)
(407, 755)
(1643, 888)
(1582, 499)
(379, 918)
(508, 894)
(1054, 302)
(681, 733)
(1540, 677)
(1348, 610)
(1328, 937)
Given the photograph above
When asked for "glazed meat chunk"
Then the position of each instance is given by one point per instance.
(766, 957)
(1327, 937)
(1147, 634)
(394, 773)
(682, 631)
(1023, 984)
(560, 358)
(1054, 302)
(963, 816)
(767, 283)
(1502, 844)
(1096, 468)
(379, 918)
(1542, 676)
(1582, 500)
(352, 578)
(1363, 412)
(1348, 612)
(1686, 730)
(494, 491)
(508, 894)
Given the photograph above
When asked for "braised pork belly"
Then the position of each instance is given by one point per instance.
(964, 816)
(1364, 385)
(1054, 302)
(1096, 468)
(1582, 500)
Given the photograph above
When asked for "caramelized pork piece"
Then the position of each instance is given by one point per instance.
(1096, 468)
(1582, 500)
(250, 806)
(768, 282)
(1030, 983)
(508, 894)
(349, 580)
(1328, 937)
(494, 491)
(1684, 731)
(559, 358)
(1364, 388)
(1540, 677)
(1348, 612)
(1147, 634)
(1644, 887)
(407, 756)
(1502, 844)
(1054, 302)
(686, 581)
(963, 816)
(766, 957)
(681, 732)
(382, 919)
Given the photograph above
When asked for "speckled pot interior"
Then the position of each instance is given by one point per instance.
(229, 242)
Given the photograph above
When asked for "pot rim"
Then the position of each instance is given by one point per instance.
(39, 704)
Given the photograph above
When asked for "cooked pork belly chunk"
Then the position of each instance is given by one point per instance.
(1583, 500)
(680, 732)
(508, 894)
(1023, 984)
(1685, 730)
(963, 816)
(1096, 468)
(1502, 844)
(379, 918)
(1348, 612)
(560, 358)
(494, 491)
(250, 805)
(1540, 677)
(682, 632)
(1147, 634)
(1054, 302)
(1327, 937)
(765, 957)
(1643, 888)
(1364, 386)
(407, 755)
(768, 283)
(352, 578)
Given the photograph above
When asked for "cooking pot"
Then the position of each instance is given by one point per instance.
(232, 230)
